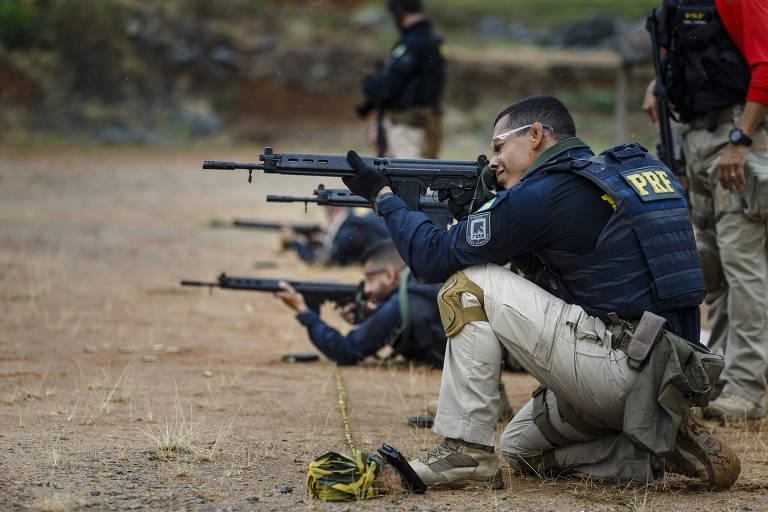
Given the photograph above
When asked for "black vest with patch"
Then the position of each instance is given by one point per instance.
(703, 69)
(645, 258)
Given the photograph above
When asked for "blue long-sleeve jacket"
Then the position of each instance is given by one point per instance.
(552, 211)
(384, 326)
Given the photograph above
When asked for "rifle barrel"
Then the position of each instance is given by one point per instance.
(186, 282)
(290, 199)
(218, 165)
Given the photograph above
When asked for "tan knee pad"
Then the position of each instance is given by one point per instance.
(453, 315)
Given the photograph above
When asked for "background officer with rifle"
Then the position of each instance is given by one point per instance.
(404, 315)
(348, 236)
(407, 92)
(712, 76)
(389, 308)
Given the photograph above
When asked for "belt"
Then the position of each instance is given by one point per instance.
(414, 116)
(722, 116)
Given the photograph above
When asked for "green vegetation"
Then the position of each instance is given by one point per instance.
(539, 12)
(17, 22)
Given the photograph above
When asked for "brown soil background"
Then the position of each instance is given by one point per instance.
(92, 246)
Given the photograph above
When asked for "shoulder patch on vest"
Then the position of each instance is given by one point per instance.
(479, 229)
(399, 51)
(651, 184)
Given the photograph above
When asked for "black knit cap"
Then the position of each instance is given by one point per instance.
(399, 7)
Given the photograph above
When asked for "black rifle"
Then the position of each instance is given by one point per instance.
(436, 210)
(666, 148)
(409, 178)
(315, 294)
(300, 229)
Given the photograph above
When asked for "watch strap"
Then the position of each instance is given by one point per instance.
(380, 198)
(743, 140)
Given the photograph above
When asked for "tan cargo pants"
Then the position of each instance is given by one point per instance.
(732, 235)
(563, 348)
(414, 133)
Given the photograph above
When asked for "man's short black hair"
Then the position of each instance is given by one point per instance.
(405, 6)
(547, 110)
(383, 252)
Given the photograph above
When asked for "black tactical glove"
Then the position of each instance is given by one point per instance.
(368, 181)
(459, 201)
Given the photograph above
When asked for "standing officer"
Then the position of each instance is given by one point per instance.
(409, 88)
(716, 77)
(405, 315)
(610, 326)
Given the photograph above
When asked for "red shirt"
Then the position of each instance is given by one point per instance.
(747, 23)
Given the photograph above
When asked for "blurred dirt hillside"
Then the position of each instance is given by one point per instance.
(163, 71)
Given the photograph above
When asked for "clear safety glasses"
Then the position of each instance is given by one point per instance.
(498, 141)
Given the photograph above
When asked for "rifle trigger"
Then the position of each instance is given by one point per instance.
(250, 175)
(305, 207)
(210, 290)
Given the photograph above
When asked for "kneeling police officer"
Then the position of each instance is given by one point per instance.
(608, 321)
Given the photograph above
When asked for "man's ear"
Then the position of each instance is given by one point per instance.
(536, 136)
(393, 273)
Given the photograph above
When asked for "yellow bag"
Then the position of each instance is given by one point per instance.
(336, 477)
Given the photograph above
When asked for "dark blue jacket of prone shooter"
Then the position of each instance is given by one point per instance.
(419, 338)
(558, 224)
(415, 74)
(346, 245)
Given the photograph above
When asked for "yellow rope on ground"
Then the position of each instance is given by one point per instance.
(341, 393)
(335, 477)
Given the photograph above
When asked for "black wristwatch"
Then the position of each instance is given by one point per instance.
(380, 198)
(739, 138)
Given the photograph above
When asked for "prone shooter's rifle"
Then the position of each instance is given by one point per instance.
(315, 294)
(300, 229)
(436, 210)
(409, 178)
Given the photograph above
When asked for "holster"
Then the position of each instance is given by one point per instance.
(453, 315)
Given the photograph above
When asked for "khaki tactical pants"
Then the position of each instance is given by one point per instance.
(414, 133)
(563, 348)
(732, 235)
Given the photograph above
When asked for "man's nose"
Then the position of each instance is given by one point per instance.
(494, 162)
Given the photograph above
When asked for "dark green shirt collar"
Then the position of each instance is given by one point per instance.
(553, 151)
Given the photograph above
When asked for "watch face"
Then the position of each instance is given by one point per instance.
(735, 135)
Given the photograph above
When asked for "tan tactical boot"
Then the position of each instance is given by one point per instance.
(733, 408)
(456, 464)
(699, 455)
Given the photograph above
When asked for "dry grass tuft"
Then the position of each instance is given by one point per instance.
(176, 434)
(209, 454)
(56, 452)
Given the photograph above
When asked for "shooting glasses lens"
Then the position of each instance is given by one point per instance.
(498, 141)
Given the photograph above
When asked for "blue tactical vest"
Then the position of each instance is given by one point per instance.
(645, 258)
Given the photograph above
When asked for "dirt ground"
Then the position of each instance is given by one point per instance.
(104, 358)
